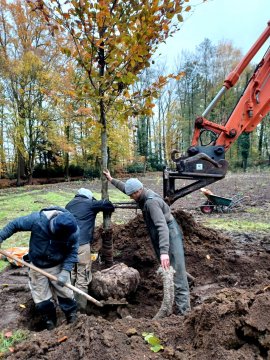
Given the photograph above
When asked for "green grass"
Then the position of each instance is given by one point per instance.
(27, 200)
(253, 210)
(118, 196)
(7, 341)
(237, 225)
(3, 265)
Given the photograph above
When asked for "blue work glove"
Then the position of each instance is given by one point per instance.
(109, 207)
(63, 277)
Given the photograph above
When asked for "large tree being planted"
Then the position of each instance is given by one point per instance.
(113, 41)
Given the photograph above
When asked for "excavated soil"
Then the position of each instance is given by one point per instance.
(230, 294)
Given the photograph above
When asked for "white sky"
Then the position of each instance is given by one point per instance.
(241, 21)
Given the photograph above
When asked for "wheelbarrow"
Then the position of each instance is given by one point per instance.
(218, 203)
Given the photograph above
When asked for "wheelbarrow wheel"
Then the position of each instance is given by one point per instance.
(207, 208)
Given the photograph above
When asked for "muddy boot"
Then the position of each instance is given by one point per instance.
(71, 317)
(48, 314)
(69, 308)
(49, 323)
(50, 319)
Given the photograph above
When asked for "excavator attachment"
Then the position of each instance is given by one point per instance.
(205, 163)
(201, 167)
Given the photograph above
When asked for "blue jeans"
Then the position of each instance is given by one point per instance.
(177, 260)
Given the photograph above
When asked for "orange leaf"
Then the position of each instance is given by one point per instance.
(165, 27)
(62, 339)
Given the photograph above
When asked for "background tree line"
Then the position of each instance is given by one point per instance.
(51, 123)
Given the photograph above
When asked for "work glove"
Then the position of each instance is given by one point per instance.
(108, 207)
(63, 277)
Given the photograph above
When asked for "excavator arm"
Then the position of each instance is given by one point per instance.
(205, 164)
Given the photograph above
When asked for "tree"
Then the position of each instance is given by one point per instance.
(28, 73)
(188, 94)
(113, 41)
(244, 143)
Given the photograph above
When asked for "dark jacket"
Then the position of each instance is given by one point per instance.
(85, 211)
(45, 250)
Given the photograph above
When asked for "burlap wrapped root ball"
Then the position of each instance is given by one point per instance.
(115, 282)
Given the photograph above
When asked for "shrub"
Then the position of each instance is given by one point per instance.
(154, 164)
(91, 172)
(41, 172)
(135, 167)
(75, 170)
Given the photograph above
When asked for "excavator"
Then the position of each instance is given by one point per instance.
(206, 164)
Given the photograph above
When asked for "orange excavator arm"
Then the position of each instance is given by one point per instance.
(206, 164)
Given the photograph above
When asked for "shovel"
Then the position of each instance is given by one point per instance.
(52, 277)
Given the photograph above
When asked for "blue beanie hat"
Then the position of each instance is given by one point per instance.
(63, 224)
(85, 192)
(132, 185)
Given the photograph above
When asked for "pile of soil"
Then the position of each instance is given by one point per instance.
(230, 304)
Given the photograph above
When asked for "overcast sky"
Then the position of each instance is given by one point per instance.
(241, 21)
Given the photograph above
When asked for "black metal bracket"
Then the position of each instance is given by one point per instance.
(203, 168)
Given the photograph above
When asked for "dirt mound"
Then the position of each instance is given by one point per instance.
(232, 325)
(230, 304)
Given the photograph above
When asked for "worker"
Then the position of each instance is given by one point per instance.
(53, 247)
(165, 234)
(85, 208)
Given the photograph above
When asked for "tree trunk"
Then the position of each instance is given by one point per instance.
(107, 243)
(20, 168)
(3, 164)
(31, 167)
(260, 143)
(66, 174)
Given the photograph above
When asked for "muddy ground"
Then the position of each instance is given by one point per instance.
(230, 295)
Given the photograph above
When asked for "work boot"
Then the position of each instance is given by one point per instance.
(50, 325)
(48, 314)
(71, 317)
(49, 322)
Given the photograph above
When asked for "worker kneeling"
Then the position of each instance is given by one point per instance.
(53, 246)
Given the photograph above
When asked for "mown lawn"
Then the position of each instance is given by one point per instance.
(25, 200)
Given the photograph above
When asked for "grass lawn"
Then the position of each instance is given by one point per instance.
(23, 202)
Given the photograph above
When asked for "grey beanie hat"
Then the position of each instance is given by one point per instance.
(85, 192)
(132, 185)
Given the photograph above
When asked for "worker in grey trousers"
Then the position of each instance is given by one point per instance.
(166, 235)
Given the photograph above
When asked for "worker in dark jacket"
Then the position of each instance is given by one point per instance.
(53, 246)
(165, 234)
(85, 208)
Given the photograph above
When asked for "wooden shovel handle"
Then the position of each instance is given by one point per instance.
(51, 277)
